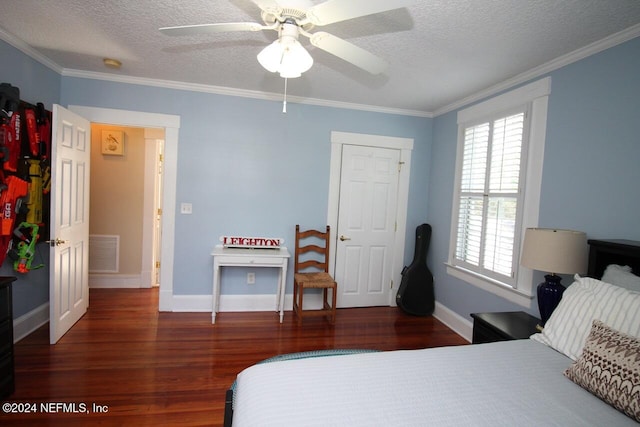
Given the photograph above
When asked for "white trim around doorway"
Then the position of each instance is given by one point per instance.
(171, 125)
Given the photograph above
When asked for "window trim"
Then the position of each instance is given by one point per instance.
(537, 94)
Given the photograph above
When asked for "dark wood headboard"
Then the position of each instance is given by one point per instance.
(605, 252)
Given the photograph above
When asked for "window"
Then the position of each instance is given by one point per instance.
(489, 196)
(497, 189)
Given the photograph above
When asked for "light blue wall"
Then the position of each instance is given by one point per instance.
(248, 169)
(593, 146)
(37, 83)
(590, 174)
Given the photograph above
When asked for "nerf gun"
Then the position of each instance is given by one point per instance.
(34, 197)
(10, 203)
(9, 126)
(37, 128)
(24, 251)
(31, 126)
(43, 119)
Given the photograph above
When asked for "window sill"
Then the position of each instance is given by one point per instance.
(516, 296)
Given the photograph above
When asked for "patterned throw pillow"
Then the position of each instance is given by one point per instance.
(609, 367)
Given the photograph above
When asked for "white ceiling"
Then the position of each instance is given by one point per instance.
(440, 51)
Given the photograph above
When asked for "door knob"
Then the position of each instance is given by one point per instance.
(56, 242)
(343, 238)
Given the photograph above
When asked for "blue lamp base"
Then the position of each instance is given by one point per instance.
(549, 295)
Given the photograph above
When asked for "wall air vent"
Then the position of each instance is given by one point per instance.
(104, 253)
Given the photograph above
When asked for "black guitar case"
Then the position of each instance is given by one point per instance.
(415, 295)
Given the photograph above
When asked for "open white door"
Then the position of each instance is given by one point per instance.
(69, 255)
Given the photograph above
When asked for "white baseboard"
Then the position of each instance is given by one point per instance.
(453, 320)
(190, 303)
(110, 281)
(166, 300)
(29, 322)
(146, 279)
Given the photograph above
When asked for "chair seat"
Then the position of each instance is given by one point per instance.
(314, 280)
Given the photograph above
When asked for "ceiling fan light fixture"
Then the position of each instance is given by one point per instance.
(286, 55)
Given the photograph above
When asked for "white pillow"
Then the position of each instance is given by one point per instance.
(585, 300)
(621, 276)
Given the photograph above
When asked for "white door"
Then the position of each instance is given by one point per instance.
(366, 225)
(69, 255)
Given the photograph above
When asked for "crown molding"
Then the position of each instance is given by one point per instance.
(562, 61)
(244, 93)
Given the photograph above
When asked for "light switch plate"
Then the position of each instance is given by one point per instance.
(186, 208)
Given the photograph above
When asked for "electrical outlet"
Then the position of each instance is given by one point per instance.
(186, 208)
(251, 278)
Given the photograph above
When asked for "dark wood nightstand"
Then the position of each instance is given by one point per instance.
(505, 326)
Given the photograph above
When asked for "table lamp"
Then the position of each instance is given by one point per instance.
(555, 252)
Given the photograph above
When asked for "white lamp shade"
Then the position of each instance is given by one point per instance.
(296, 60)
(271, 56)
(287, 57)
(555, 251)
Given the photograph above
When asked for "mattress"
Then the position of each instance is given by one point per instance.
(499, 384)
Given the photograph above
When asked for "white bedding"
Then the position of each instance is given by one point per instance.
(513, 383)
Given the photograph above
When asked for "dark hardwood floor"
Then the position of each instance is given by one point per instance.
(164, 369)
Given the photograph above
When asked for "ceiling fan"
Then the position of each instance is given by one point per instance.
(290, 18)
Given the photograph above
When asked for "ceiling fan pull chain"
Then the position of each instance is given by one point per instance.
(284, 102)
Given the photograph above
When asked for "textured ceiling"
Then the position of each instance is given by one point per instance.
(440, 51)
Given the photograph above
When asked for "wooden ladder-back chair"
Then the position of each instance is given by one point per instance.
(311, 271)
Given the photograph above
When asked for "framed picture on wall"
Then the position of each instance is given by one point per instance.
(113, 142)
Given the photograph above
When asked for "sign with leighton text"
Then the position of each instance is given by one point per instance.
(251, 242)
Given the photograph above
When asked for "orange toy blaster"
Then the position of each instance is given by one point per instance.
(10, 202)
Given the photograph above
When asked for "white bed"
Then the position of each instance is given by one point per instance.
(512, 383)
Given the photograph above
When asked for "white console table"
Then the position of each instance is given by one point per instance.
(250, 257)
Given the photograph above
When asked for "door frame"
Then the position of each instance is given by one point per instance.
(153, 138)
(405, 145)
(171, 125)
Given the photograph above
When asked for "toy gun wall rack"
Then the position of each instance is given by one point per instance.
(25, 171)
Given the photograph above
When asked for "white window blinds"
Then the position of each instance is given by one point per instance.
(489, 196)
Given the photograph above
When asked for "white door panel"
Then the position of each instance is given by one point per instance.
(366, 225)
(69, 274)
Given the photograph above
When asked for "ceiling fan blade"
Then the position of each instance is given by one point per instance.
(189, 30)
(339, 10)
(349, 52)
